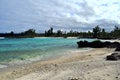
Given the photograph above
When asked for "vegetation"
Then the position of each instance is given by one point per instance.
(49, 32)
(97, 32)
(27, 34)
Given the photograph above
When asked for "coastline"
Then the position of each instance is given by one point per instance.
(64, 67)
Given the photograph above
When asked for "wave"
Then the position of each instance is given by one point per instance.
(1, 37)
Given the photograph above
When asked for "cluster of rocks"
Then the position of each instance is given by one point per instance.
(99, 44)
(115, 55)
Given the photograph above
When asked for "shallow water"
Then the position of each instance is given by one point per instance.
(12, 50)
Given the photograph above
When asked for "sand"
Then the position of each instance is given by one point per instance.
(114, 40)
(91, 65)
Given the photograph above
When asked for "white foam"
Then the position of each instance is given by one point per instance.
(2, 66)
(26, 61)
(80, 50)
(1, 37)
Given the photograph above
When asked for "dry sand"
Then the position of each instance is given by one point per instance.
(90, 65)
(114, 40)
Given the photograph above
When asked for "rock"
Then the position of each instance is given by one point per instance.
(98, 44)
(114, 45)
(107, 44)
(83, 44)
(118, 48)
(116, 77)
(113, 56)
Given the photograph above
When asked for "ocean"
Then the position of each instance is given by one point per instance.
(12, 50)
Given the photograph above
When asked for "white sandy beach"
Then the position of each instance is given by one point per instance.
(115, 40)
(90, 66)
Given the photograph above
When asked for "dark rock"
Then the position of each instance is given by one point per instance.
(74, 79)
(116, 77)
(118, 48)
(98, 44)
(83, 44)
(113, 56)
(114, 45)
(107, 44)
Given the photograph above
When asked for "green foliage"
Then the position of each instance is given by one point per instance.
(27, 34)
(96, 31)
(116, 32)
(59, 33)
(30, 32)
(72, 33)
(49, 32)
(11, 33)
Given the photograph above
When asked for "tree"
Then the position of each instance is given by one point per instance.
(103, 31)
(89, 34)
(96, 32)
(11, 33)
(45, 33)
(116, 32)
(49, 32)
(103, 34)
(59, 33)
(29, 33)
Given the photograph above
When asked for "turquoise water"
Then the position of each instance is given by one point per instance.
(21, 49)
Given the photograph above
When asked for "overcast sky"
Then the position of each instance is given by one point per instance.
(81, 15)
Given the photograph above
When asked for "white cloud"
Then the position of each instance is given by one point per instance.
(65, 14)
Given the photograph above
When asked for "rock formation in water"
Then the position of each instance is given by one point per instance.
(98, 44)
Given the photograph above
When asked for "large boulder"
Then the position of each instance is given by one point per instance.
(113, 56)
(118, 48)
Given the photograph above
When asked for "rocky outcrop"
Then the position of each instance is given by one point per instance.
(118, 48)
(113, 56)
(98, 44)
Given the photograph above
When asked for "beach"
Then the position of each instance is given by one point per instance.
(77, 66)
(59, 40)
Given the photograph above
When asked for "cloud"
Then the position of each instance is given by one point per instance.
(16, 15)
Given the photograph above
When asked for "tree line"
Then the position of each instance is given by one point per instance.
(96, 32)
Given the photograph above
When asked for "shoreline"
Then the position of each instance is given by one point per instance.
(45, 58)
(41, 59)
(21, 72)
(115, 40)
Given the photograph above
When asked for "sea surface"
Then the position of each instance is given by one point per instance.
(12, 50)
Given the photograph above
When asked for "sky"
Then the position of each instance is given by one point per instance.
(79, 15)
